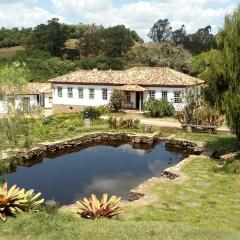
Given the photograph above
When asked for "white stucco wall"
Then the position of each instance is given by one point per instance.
(97, 101)
(170, 95)
(3, 106)
(86, 101)
(47, 100)
(18, 103)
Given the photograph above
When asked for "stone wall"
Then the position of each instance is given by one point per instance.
(58, 109)
(58, 148)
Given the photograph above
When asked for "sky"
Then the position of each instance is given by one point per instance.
(138, 15)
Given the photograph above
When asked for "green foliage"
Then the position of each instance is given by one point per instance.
(13, 76)
(42, 66)
(104, 109)
(49, 37)
(123, 123)
(158, 108)
(116, 100)
(118, 40)
(201, 116)
(231, 166)
(13, 37)
(223, 85)
(200, 41)
(91, 113)
(14, 127)
(161, 31)
(160, 55)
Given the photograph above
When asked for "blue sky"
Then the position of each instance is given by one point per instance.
(136, 14)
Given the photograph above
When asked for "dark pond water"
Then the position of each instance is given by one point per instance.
(96, 169)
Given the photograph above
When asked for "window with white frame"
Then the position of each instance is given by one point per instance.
(165, 95)
(80, 92)
(177, 97)
(70, 92)
(91, 93)
(50, 99)
(128, 97)
(151, 94)
(59, 92)
(104, 93)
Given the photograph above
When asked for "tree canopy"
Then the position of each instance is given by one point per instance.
(200, 41)
(223, 88)
(160, 55)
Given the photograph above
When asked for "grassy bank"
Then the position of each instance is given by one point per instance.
(42, 226)
(221, 141)
(207, 197)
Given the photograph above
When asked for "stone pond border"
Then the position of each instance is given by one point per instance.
(42, 149)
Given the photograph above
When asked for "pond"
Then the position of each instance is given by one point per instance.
(97, 169)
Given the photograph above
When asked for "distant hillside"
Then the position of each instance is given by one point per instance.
(9, 53)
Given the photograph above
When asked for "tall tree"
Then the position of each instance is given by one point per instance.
(223, 91)
(49, 37)
(160, 55)
(161, 31)
(179, 36)
(118, 40)
(200, 41)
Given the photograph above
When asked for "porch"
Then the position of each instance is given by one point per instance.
(134, 97)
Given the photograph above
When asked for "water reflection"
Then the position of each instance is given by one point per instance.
(97, 169)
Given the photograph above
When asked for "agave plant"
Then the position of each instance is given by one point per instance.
(17, 200)
(92, 208)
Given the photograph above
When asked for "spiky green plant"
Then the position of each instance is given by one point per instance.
(92, 208)
(16, 200)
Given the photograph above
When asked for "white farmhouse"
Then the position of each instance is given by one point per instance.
(26, 98)
(74, 91)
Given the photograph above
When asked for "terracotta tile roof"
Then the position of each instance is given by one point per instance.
(28, 89)
(132, 88)
(143, 76)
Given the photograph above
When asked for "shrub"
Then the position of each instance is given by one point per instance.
(90, 112)
(104, 109)
(116, 100)
(17, 200)
(201, 116)
(92, 208)
(48, 120)
(112, 122)
(158, 108)
(122, 123)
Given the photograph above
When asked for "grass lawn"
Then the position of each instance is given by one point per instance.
(221, 141)
(207, 198)
(42, 226)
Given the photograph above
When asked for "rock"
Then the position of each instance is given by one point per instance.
(134, 196)
(170, 175)
(229, 156)
(51, 203)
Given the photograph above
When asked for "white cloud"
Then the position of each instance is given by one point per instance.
(18, 15)
(139, 15)
(142, 14)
